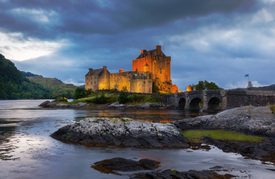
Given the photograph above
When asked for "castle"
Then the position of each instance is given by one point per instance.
(150, 70)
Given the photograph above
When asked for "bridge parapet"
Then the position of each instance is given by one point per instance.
(220, 99)
(236, 98)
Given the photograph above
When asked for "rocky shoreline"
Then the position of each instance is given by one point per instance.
(249, 120)
(116, 165)
(116, 105)
(125, 132)
(258, 121)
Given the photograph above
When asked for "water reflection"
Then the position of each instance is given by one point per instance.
(27, 151)
(144, 115)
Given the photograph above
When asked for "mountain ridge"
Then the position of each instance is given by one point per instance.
(14, 85)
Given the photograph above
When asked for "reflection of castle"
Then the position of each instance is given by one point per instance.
(150, 66)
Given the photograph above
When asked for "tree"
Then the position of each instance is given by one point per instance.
(205, 85)
(79, 93)
(155, 88)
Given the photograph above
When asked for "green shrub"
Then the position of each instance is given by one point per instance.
(152, 99)
(61, 99)
(123, 98)
(136, 98)
(79, 93)
(100, 100)
(88, 92)
(272, 108)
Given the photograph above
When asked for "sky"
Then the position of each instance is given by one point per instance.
(211, 40)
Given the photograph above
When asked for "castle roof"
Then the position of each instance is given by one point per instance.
(154, 52)
(95, 72)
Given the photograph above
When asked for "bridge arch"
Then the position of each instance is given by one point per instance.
(182, 103)
(195, 104)
(213, 104)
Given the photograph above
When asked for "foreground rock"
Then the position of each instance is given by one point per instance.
(252, 120)
(173, 174)
(249, 120)
(53, 104)
(123, 133)
(264, 151)
(121, 164)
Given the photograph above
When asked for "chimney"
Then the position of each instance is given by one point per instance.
(90, 70)
(158, 48)
(104, 67)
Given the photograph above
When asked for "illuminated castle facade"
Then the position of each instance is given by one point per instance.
(150, 68)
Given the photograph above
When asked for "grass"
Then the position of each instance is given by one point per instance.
(112, 97)
(272, 108)
(196, 135)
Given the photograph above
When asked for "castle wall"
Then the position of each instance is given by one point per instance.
(158, 66)
(120, 80)
(91, 82)
(161, 68)
(141, 85)
(104, 80)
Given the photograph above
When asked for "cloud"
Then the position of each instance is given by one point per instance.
(243, 84)
(17, 47)
(105, 17)
(212, 40)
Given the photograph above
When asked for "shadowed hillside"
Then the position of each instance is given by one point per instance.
(55, 86)
(14, 85)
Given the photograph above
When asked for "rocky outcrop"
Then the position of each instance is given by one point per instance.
(120, 164)
(263, 151)
(53, 104)
(251, 120)
(122, 132)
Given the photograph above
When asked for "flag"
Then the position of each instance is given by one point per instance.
(246, 75)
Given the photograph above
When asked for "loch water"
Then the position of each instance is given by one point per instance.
(28, 151)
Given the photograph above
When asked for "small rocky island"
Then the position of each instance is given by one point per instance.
(122, 132)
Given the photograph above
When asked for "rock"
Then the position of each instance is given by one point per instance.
(53, 104)
(121, 164)
(116, 105)
(261, 151)
(252, 120)
(46, 104)
(123, 133)
(148, 164)
(173, 174)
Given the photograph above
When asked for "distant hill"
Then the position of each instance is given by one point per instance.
(28, 74)
(14, 85)
(264, 88)
(55, 86)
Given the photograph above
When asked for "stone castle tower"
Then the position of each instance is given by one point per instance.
(158, 64)
(150, 68)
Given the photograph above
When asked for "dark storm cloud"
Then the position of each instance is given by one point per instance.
(107, 17)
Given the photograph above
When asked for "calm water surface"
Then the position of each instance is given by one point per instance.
(27, 150)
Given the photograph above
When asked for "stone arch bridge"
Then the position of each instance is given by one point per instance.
(213, 100)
